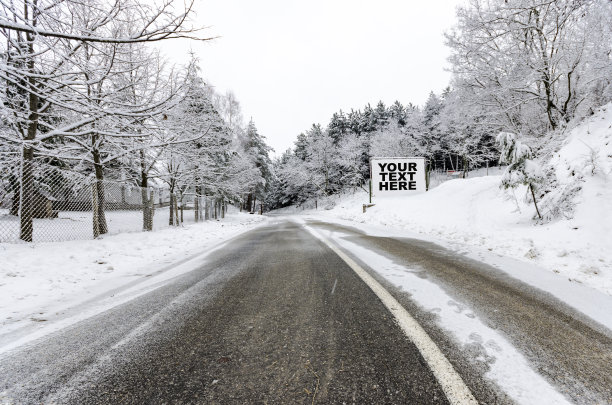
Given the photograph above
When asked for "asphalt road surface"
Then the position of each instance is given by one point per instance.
(276, 317)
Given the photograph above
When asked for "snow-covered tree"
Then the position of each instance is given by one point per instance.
(48, 95)
(531, 65)
(257, 152)
(522, 169)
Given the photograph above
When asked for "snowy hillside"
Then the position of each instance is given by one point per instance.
(476, 212)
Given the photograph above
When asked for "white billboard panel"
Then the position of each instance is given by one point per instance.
(397, 176)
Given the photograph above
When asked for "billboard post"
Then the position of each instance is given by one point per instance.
(370, 181)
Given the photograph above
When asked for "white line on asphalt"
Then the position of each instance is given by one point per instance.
(334, 287)
(451, 382)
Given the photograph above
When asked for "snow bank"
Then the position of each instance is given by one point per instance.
(38, 280)
(475, 212)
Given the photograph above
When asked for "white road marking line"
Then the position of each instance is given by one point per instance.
(334, 287)
(451, 382)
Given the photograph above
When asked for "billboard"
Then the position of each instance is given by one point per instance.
(397, 176)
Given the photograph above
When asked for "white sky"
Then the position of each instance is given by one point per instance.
(292, 63)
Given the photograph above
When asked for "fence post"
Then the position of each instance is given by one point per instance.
(171, 210)
(182, 210)
(26, 212)
(196, 205)
(176, 212)
(152, 209)
(95, 209)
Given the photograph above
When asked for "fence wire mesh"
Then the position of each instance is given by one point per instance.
(55, 205)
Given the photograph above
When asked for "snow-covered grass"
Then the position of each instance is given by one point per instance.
(41, 279)
(475, 212)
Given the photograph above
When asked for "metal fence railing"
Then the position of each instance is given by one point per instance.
(56, 205)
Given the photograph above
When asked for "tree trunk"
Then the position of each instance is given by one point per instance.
(146, 204)
(196, 205)
(171, 217)
(99, 185)
(94, 208)
(27, 174)
(176, 212)
(146, 211)
(534, 201)
(16, 190)
(249, 203)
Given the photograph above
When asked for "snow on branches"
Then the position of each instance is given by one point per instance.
(521, 170)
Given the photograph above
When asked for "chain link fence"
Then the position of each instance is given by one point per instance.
(56, 205)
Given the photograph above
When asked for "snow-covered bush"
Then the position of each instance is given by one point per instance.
(559, 200)
(521, 170)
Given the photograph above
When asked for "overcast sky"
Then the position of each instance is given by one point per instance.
(294, 63)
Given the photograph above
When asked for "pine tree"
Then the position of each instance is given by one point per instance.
(258, 152)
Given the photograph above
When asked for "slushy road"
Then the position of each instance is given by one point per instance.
(276, 316)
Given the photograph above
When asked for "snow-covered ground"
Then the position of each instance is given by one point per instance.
(40, 280)
(475, 217)
(77, 225)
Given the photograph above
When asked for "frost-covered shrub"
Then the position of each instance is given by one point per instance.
(559, 200)
(521, 170)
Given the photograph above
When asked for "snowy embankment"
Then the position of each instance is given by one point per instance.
(39, 281)
(474, 212)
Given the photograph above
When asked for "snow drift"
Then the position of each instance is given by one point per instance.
(576, 244)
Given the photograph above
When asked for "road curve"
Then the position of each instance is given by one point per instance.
(275, 317)
(572, 352)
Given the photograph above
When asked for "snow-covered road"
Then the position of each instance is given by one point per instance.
(276, 315)
(45, 286)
